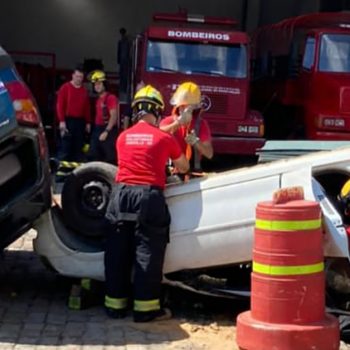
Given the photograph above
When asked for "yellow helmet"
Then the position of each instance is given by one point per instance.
(97, 75)
(149, 100)
(344, 197)
(186, 94)
(345, 190)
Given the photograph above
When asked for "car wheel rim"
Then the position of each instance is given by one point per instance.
(94, 198)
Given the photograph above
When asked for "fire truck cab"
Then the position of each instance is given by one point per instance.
(209, 52)
(301, 79)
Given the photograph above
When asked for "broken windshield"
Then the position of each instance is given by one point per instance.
(335, 53)
(197, 58)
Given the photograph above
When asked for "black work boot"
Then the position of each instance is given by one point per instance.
(115, 313)
(157, 315)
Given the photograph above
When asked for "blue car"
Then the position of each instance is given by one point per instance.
(25, 186)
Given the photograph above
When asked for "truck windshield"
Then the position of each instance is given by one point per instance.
(335, 53)
(197, 58)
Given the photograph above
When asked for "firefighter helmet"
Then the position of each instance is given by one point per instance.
(186, 94)
(149, 100)
(344, 197)
(97, 75)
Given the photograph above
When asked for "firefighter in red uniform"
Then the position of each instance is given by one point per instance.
(105, 129)
(73, 112)
(185, 123)
(138, 212)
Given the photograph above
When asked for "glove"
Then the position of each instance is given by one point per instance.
(192, 138)
(185, 116)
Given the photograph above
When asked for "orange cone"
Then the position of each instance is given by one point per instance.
(288, 282)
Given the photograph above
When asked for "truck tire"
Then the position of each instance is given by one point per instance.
(85, 197)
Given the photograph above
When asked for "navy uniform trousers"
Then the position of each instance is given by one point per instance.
(140, 219)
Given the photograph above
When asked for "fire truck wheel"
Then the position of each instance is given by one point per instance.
(85, 196)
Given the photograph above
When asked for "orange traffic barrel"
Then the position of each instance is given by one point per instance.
(288, 282)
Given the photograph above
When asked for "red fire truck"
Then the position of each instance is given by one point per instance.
(301, 79)
(208, 51)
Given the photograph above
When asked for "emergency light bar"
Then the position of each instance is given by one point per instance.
(184, 17)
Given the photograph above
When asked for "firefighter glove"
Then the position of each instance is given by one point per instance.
(185, 116)
(192, 138)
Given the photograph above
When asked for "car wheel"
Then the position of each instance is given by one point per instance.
(85, 197)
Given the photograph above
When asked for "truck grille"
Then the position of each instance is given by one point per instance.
(219, 104)
(345, 100)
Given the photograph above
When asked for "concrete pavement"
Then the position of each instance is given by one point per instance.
(34, 315)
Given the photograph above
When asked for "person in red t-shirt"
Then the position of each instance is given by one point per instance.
(105, 129)
(73, 112)
(138, 212)
(191, 131)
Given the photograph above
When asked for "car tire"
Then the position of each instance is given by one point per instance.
(85, 197)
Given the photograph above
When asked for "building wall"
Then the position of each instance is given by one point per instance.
(78, 29)
(276, 10)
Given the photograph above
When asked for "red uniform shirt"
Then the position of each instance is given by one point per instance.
(73, 102)
(110, 102)
(143, 151)
(204, 133)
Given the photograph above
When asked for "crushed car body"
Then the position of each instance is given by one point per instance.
(213, 217)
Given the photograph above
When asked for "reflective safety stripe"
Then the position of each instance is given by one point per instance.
(288, 225)
(287, 270)
(65, 164)
(86, 283)
(146, 305)
(116, 303)
(74, 302)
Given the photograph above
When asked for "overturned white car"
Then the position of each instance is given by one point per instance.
(213, 217)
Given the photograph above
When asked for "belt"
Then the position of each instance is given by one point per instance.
(143, 186)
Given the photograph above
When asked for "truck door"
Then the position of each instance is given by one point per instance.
(307, 68)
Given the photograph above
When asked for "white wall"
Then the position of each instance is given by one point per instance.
(78, 29)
